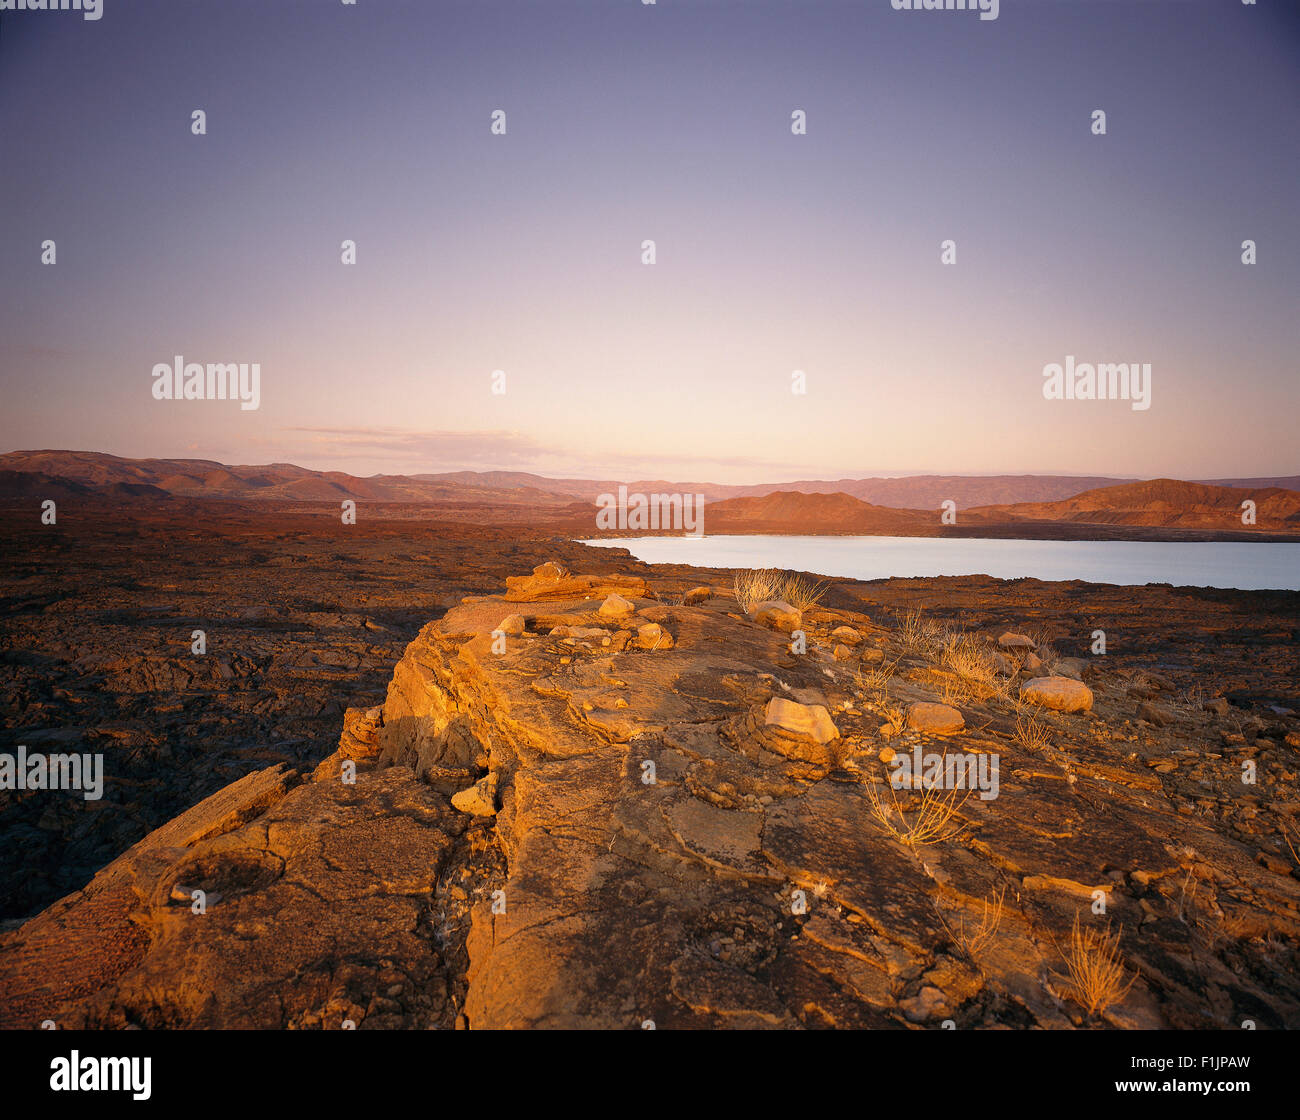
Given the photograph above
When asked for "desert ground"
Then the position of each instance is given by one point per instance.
(501, 858)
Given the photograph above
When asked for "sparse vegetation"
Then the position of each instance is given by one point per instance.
(1095, 969)
(1031, 733)
(972, 938)
(802, 593)
(874, 680)
(1046, 651)
(970, 660)
(762, 584)
(929, 817)
(755, 586)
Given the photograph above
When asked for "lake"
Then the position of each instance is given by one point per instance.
(1246, 565)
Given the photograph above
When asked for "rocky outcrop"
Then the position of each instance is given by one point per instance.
(563, 823)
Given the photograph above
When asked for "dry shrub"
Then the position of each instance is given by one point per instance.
(873, 680)
(1031, 733)
(972, 663)
(760, 585)
(1096, 969)
(914, 628)
(972, 938)
(756, 586)
(929, 817)
(801, 592)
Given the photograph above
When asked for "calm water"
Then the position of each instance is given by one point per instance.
(1247, 566)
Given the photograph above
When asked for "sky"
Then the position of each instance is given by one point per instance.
(671, 122)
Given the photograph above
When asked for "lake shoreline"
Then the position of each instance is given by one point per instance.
(1201, 565)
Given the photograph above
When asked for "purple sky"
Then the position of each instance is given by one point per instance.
(670, 122)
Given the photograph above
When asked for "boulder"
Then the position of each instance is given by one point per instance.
(812, 720)
(1155, 713)
(512, 625)
(1072, 667)
(1061, 694)
(653, 636)
(1016, 641)
(777, 615)
(935, 719)
(615, 606)
(480, 799)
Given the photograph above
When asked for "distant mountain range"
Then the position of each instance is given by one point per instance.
(1052, 505)
(205, 478)
(1161, 503)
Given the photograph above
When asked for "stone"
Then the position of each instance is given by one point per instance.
(1016, 641)
(846, 635)
(776, 615)
(512, 625)
(1155, 713)
(929, 1003)
(1061, 694)
(652, 636)
(615, 606)
(479, 799)
(1072, 667)
(935, 719)
(637, 891)
(812, 720)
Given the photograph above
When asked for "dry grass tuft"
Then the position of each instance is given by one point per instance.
(760, 585)
(801, 592)
(970, 939)
(915, 630)
(971, 661)
(873, 681)
(757, 586)
(930, 816)
(1096, 969)
(1031, 733)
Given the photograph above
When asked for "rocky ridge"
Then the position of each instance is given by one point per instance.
(594, 801)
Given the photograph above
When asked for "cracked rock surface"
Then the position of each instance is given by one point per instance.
(701, 832)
